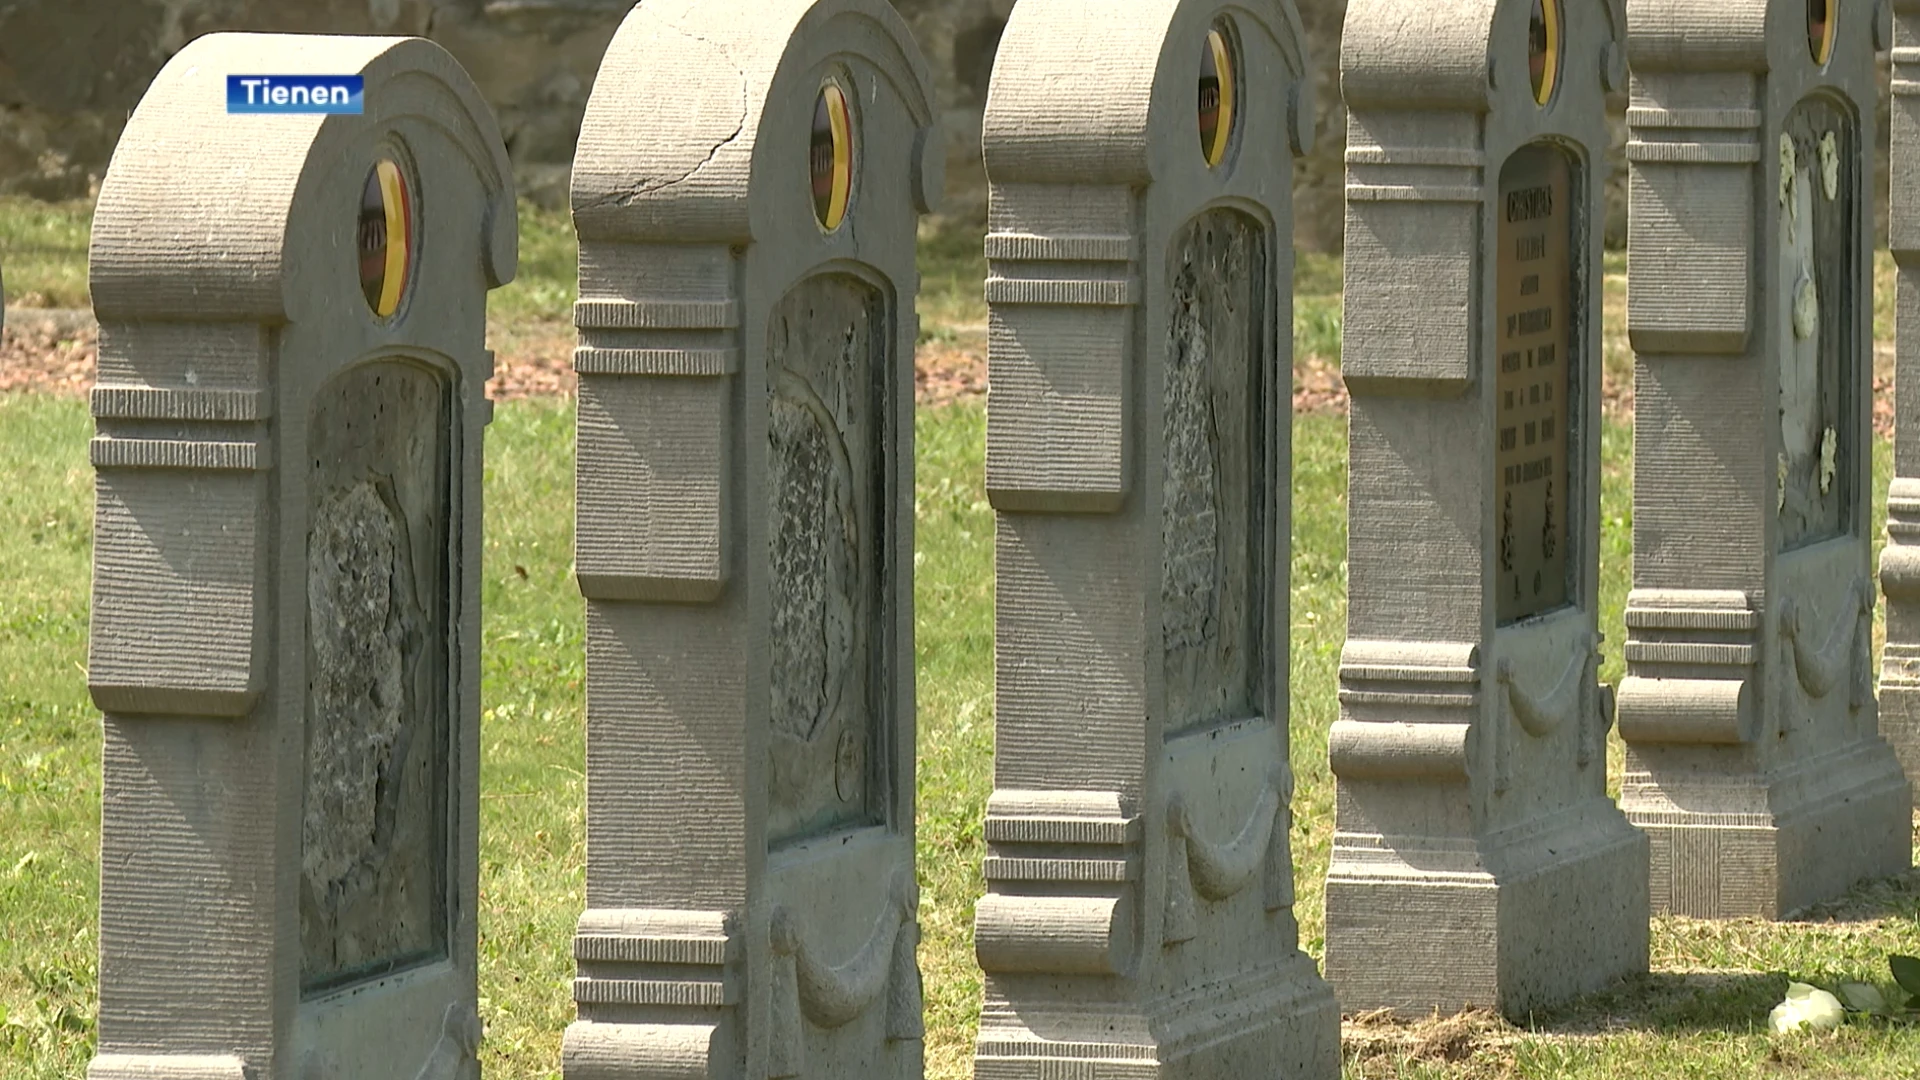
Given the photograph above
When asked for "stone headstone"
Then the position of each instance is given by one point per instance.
(746, 191)
(1900, 560)
(1477, 860)
(1139, 916)
(1754, 761)
(286, 588)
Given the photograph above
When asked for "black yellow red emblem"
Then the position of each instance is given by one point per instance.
(1821, 25)
(385, 237)
(831, 157)
(1216, 96)
(1544, 48)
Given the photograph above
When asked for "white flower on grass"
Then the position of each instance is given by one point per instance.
(1806, 1007)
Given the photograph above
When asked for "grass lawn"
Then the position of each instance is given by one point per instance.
(1701, 1014)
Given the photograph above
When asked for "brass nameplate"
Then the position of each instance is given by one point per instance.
(1534, 339)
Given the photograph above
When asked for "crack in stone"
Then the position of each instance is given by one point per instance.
(648, 186)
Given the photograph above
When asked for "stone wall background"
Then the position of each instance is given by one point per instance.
(71, 71)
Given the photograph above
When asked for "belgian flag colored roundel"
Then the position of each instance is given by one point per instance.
(1216, 96)
(385, 237)
(830, 159)
(1543, 49)
(1821, 25)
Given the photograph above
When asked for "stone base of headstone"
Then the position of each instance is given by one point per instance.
(1900, 710)
(166, 1067)
(1284, 1025)
(1524, 921)
(1771, 846)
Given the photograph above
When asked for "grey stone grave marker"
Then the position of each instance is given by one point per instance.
(286, 589)
(1900, 559)
(1754, 761)
(746, 191)
(1477, 861)
(1139, 916)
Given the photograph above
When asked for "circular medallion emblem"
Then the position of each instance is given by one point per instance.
(830, 160)
(1216, 96)
(1543, 49)
(385, 237)
(1821, 26)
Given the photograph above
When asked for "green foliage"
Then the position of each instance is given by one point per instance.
(1702, 1014)
(1316, 329)
(953, 681)
(953, 271)
(546, 282)
(1861, 997)
(1906, 975)
(1865, 1001)
(43, 252)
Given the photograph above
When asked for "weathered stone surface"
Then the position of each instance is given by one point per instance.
(1477, 861)
(1900, 559)
(373, 846)
(747, 189)
(286, 569)
(1754, 761)
(1820, 153)
(825, 348)
(1211, 521)
(1139, 914)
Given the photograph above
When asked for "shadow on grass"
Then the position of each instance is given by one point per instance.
(1669, 1003)
(1870, 901)
(1662, 1003)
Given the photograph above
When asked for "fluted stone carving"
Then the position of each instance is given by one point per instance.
(1477, 861)
(746, 191)
(1139, 915)
(286, 590)
(1754, 760)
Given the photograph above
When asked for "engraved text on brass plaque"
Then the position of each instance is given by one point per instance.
(1533, 359)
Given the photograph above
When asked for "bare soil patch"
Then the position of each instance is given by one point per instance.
(56, 352)
(1469, 1044)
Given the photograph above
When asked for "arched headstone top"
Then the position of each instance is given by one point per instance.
(1701, 36)
(1060, 108)
(681, 121)
(1457, 55)
(226, 186)
(1698, 35)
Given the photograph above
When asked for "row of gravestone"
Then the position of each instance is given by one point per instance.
(285, 633)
